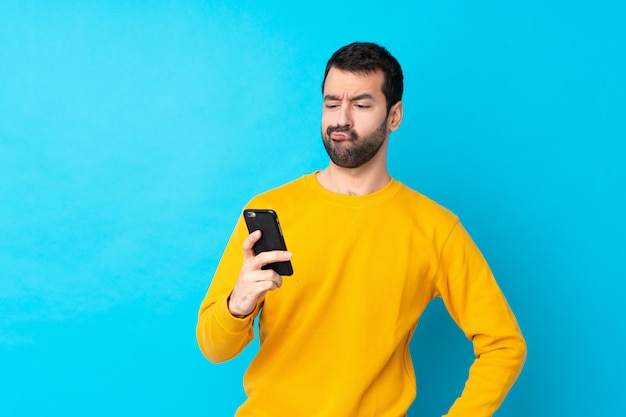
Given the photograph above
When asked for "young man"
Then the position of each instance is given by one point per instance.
(369, 255)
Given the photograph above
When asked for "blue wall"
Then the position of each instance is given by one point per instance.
(131, 135)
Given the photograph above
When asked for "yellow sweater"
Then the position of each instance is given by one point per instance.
(334, 338)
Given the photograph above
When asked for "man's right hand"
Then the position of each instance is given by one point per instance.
(254, 282)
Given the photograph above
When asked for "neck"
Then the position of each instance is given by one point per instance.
(353, 181)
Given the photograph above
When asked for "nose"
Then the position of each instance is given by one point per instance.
(344, 116)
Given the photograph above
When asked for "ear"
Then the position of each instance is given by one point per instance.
(395, 116)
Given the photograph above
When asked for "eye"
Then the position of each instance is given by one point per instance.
(331, 106)
(362, 106)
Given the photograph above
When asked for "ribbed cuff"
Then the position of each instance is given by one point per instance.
(229, 322)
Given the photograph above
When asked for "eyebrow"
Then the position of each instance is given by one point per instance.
(364, 96)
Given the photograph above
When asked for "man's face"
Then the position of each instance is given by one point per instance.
(354, 117)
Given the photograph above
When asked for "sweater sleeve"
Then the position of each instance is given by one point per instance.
(222, 336)
(475, 302)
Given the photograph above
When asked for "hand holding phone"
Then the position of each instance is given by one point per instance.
(271, 236)
(262, 268)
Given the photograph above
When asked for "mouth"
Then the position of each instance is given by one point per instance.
(340, 136)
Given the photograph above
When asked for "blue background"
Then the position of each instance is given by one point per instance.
(132, 133)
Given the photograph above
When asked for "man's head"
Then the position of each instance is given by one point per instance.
(367, 58)
(362, 92)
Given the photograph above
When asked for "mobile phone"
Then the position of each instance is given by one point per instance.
(272, 238)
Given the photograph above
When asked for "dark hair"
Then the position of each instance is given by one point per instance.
(366, 58)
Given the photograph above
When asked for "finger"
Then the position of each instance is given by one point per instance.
(248, 244)
(270, 257)
(278, 281)
(270, 281)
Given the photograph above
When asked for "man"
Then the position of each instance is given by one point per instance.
(368, 255)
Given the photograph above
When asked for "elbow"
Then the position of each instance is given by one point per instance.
(508, 352)
(209, 348)
(218, 344)
(214, 356)
(210, 354)
(522, 351)
(517, 348)
(513, 351)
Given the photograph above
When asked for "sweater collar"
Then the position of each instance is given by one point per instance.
(377, 197)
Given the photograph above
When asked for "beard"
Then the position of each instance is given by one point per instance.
(356, 151)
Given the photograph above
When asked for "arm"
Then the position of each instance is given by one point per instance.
(226, 315)
(477, 305)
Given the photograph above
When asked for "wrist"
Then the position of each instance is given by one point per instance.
(234, 312)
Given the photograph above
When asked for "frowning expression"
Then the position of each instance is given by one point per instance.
(354, 117)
